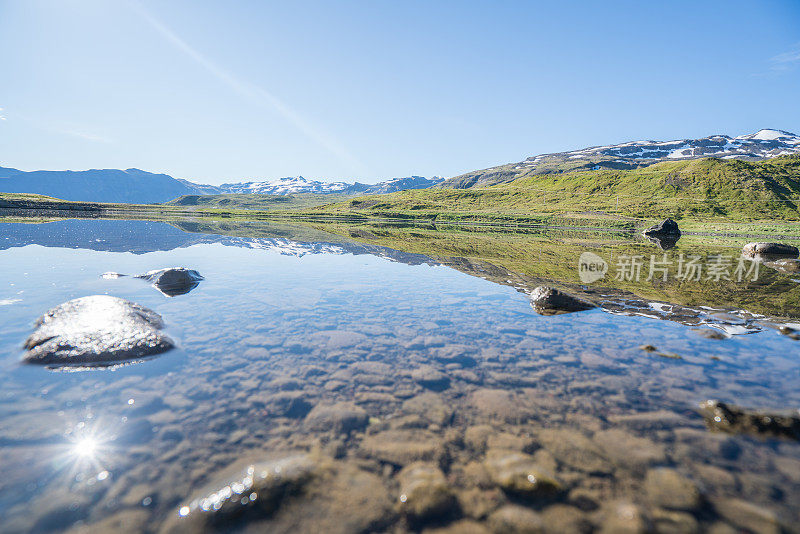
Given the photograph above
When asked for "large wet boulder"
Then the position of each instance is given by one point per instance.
(173, 281)
(550, 301)
(96, 330)
(667, 227)
(769, 250)
(732, 419)
(289, 492)
(261, 485)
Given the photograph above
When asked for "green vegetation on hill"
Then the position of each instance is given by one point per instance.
(706, 188)
(549, 164)
(728, 196)
(528, 259)
(258, 202)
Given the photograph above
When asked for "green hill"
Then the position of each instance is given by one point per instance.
(258, 202)
(702, 188)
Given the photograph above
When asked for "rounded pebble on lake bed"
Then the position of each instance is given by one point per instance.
(424, 492)
(518, 474)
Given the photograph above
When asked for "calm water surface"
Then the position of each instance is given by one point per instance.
(451, 370)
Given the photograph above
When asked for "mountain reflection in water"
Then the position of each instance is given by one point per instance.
(320, 387)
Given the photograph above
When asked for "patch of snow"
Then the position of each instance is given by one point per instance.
(679, 152)
(769, 135)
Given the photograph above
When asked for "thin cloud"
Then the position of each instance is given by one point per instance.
(253, 93)
(87, 136)
(2, 117)
(787, 60)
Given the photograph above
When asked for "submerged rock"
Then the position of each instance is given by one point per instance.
(340, 418)
(749, 516)
(515, 519)
(769, 249)
(667, 488)
(295, 493)
(735, 420)
(573, 448)
(428, 377)
(258, 485)
(403, 446)
(709, 333)
(99, 329)
(623, 517)
(549, 301)
(424, 493)
(173, 281)
(519, 474)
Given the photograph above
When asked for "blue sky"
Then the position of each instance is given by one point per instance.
(227, 91)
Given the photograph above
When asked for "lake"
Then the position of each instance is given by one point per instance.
(391, 378)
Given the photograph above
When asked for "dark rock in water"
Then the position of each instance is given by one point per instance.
(664, 242)
(549, 301)
(735, 420)
(99, 329)
(174, 281)
(709, 333)
(769, 249)
(667, 227)
(789, 332)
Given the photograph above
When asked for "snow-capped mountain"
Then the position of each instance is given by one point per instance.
(401, 184)
(767, 143)
(285, 186)
(139, 187)
(762, 144)
(296, 185)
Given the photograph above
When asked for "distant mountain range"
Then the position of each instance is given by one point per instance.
(762, 144)
(99, 185)
(141, 187)
(291, 186)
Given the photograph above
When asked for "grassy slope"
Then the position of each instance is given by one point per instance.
(531, 259)
(707, 188)
(707, 195)
(258, 202)
(28, 196)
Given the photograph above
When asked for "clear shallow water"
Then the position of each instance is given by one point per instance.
(451, 369)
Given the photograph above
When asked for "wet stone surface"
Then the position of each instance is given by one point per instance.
(368, 395)
(96, 330)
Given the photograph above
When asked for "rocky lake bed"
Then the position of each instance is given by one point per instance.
(320, 384)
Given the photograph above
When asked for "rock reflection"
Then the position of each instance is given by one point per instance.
(664, 242)
(407, 398)
(732, 419)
